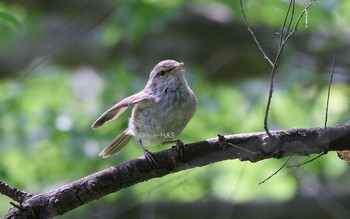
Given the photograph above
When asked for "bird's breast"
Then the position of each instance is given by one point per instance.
(163, 118)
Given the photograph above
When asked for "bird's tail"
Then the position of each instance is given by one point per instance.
(116, 145)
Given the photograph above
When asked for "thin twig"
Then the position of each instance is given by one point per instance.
(275, 66)
(254, 37)
(277, 171)
(283, 29)
(327, 104)
(223, 141)
(306, 162)
(326, 145)
(292, 17)
(328, 94)
(298, 20)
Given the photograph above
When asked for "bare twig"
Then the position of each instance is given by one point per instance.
(277, 171)
(282, 42)
(325, 143)
(276, 64)
(225, 144)
(283, 29)
(292, 16)
(306, 162)
(254, 37)
(327, 104)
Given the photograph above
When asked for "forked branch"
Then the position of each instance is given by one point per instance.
(285, 34)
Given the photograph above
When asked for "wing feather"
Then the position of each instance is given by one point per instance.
(119, 108)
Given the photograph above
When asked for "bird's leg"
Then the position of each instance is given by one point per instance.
(148, 155)
(179, 145)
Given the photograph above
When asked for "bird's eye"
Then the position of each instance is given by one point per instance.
(162, 73)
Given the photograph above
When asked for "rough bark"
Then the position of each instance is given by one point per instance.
(251, 147)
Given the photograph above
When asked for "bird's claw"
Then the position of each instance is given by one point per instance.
(149, 156)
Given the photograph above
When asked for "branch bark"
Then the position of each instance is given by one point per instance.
(251, 147)
(13, 193)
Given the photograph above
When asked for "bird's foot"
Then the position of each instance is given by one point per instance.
(180, 146)
(149, 156)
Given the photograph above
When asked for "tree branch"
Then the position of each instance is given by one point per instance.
(251, 147)
(13, 193)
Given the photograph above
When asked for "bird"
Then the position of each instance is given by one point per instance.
(160, 111)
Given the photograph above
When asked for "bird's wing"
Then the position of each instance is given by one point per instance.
(119, 108)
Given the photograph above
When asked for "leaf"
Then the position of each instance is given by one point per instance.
(10, 19)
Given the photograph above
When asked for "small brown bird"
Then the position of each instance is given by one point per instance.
(161, 110)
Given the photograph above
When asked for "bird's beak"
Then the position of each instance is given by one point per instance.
(178, 68)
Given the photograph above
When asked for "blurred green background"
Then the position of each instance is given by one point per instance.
(63, 63)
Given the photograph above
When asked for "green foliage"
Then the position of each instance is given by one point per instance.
(9, 18)
(9, 24)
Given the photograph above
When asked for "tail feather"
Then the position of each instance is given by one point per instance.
(116, 145)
